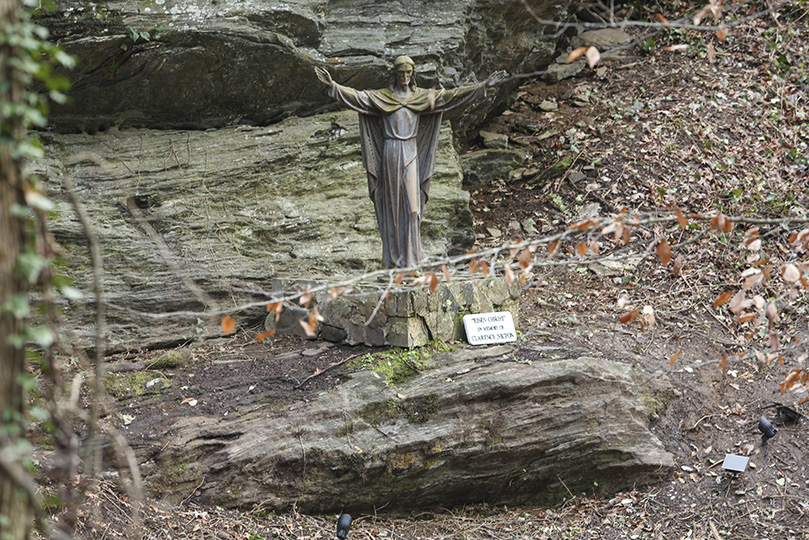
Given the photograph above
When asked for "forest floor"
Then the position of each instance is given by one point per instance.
(679, 120)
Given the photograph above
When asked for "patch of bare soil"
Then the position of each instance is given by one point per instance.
(718, 127)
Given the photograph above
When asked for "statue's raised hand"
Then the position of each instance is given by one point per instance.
(323, 75)
(496, 78)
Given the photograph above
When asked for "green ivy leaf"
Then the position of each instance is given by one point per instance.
(30, 264)
(41, 335)
(16, 340)
(72, 293)
(64, 59)
(40, 201)
(20, 211)
(17, 306)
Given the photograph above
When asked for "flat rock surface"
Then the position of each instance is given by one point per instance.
(499, 424)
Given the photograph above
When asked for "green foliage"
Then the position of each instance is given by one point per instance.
(400, 365)
(136, 35)
(133, 385)
(174, 359)
(34, 61)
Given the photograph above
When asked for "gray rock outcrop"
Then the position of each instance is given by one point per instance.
(196, 220)
(204, 220)
(479, 426)
(211, 63)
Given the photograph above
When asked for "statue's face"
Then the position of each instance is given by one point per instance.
(404, 74)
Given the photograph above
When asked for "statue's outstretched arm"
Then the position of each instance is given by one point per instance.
(323, 75)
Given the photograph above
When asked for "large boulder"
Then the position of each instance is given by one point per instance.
(210, 63)
(481, 425)
(195, 221)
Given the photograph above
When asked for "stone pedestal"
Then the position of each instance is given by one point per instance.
(409, 318)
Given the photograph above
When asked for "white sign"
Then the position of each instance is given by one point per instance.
(484, 328)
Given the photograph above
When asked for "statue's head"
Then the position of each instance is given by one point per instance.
(404, 72)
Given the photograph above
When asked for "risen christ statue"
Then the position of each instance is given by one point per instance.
(399, 129)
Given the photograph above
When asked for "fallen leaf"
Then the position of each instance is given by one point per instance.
(649, 316)
(674, 357)
(308, 327)
(593, 56)
(315, 315)
(264, 335)
(664, 252)
(775, 344)
(228, 324)
(739, 302)
(752, 281)
(722, 298)
(509, 273)
(791, 274)
(305, 299)
(681, 219)
(700, 14)
(277, 307)
(772, 312)
(721, 223)
(575, 53)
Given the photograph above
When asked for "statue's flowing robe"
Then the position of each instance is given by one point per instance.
(399, 139)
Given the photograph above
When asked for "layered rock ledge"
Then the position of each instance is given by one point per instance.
(480, 425)
(203, 221)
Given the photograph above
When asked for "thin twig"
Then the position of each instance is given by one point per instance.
(325, 369)
(100, 331)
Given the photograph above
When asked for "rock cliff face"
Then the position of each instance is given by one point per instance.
(477, 427)
(200, 220)
(211, 63)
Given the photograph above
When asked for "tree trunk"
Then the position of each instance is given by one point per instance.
(15, 510)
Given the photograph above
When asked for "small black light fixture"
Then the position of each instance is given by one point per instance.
(343, 524)
(767, 430)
